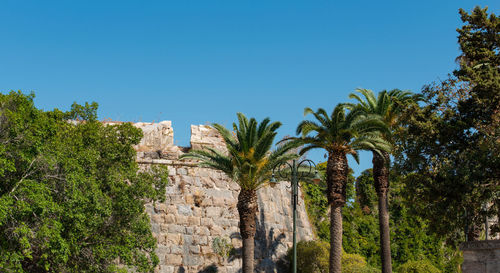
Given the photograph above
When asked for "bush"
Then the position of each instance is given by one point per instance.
(422, 266)
(312, 257)
(355, 263)
(222, 247)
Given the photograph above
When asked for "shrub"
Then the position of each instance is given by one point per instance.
(355, 263)
(312, 256)
(222, 247)
(422, 266)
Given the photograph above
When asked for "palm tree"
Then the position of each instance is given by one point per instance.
(339, 134)
(388, 105)
(248, 162)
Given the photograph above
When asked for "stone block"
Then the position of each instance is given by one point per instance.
(190, 230)
(163, 227)
(215, 231)
(176, 229)
(197, 211)
(218, 201)
(173, 259)
(207, 250)
(169, 219)
(203, 231)
(195, 249)
(194, 221)
(157, 218)
(167, 269)
(173, 239)
(200, 240)
(181, 220)
(213, 212)
(171, 209)
(219, 193)
(192, 260)
(176, 249)
(160, 207)
(207, 222)
(189, 199)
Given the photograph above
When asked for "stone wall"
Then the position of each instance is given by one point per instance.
(201, 205)
(481, 256)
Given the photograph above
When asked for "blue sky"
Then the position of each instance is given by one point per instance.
(198, 62)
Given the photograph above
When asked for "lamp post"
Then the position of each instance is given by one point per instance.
(281, 170)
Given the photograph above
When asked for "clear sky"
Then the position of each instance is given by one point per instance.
(198, 62)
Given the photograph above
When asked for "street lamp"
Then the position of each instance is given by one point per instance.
(283, 170)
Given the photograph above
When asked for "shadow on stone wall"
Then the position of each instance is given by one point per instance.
(266, 246)
(210, 269)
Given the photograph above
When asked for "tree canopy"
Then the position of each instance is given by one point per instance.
(450, 147)
(71, 194)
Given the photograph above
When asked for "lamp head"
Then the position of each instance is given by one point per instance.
(316, 178)
(273, 182)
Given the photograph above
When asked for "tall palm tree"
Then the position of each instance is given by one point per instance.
(339, 134)
(388, 105)
(249, 162)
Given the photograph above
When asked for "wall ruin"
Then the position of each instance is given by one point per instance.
(201, 205)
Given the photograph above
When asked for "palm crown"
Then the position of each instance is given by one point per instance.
(249, 161)
(341, 132)
(388, 105)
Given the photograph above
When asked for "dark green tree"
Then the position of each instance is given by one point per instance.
(365, 192)
(411, 238)
(249, 162)
(339, 134)
(450, 147)
(72, 198)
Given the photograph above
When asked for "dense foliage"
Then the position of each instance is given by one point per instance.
(411, 238)
(449, 149)
(71, 196)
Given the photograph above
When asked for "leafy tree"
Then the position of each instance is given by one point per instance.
(387, 105)
(339, 134)
(71, 196)
(365, 192)
(450, 148)
(411, 237)
(249, 163)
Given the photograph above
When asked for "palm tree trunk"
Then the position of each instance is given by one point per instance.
(381, 179)
(335, 262)
(336, 177)
(247, 208)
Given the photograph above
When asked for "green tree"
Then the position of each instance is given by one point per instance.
(365, 192)
(411, 238)
(249, 163)
(72, 198)
(387, 105)
(339, 134)
(450, 148)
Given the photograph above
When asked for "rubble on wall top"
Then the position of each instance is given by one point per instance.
(158, 140)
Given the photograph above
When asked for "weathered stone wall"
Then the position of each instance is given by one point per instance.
(201, 205)
(481, 256)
